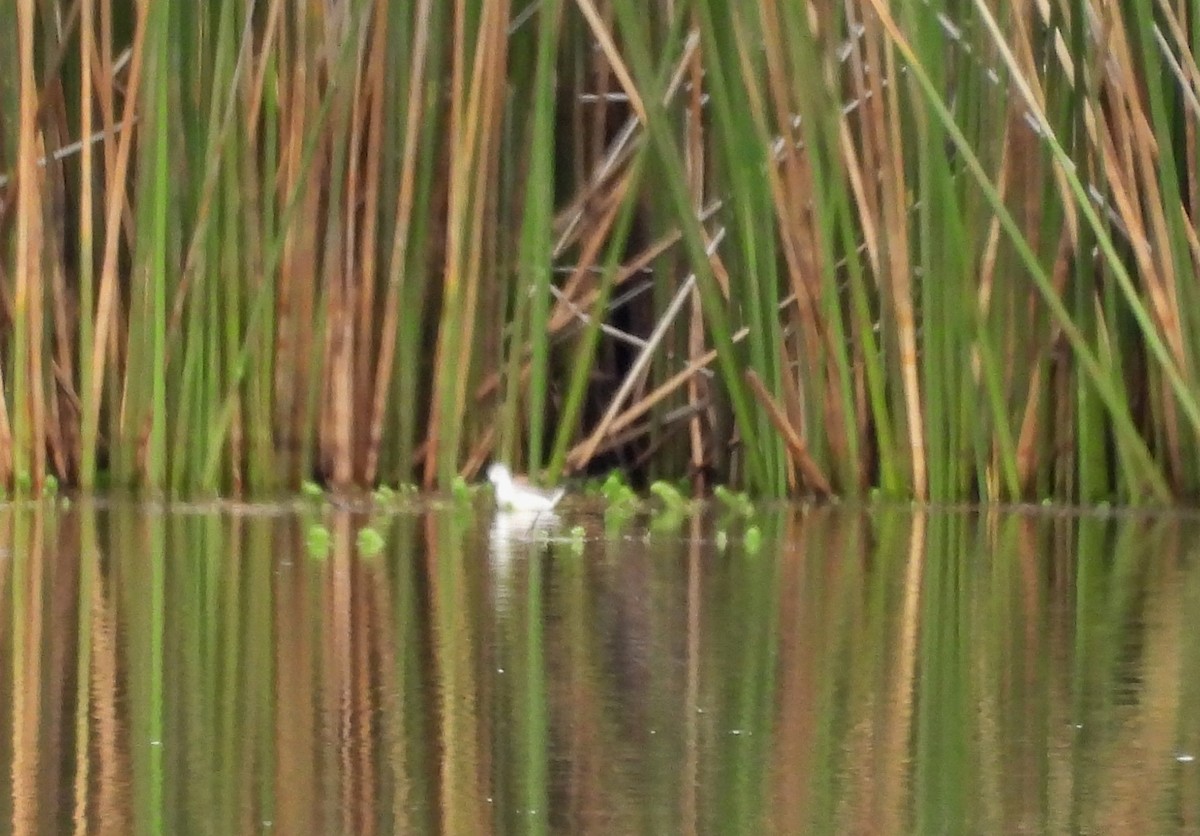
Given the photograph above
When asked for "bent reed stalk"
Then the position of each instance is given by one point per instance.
(938, 250)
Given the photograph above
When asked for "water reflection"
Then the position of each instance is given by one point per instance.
(865, 671)
(513, 534)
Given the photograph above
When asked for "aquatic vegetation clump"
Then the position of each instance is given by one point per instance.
(370, 542)
(462, 491)
(752, 540)
(734, 502)
(671, 498)
(667, 521)
(317, 540)
(618, 496)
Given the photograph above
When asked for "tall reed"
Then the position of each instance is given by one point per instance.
(935, 250)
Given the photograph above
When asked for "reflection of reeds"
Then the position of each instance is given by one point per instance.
(864, 671)
(935, 252)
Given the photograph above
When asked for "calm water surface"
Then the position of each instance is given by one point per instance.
(193, 670)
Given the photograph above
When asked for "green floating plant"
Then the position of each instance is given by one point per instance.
(752, 540)
(370, 542)
(317, 540)
(461, 491)
(614, 486)
(735, 502)
(668, 520)
(618, 494)
(311, 489)
(617, 515)
(670, 496)
(614, 478)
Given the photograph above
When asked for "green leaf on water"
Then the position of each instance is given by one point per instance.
(736, 502)
(317, 540)
(753, 540)
(670, 496)
(370, 542)
(667, 521)
(460, 489)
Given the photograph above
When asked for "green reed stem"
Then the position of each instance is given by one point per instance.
(713, 302)
(535, 257)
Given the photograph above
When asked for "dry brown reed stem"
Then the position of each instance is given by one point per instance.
(615, 61)
(582, 452)
(106, 310)
(791, 184)
(53, 235)
(660, 430)
(563, 314)
(398, 260)
(350, 349)
(566, 312)
(1159, 274)
(813, 475)
(695, 160)
(1128, 149)
(339, 333)
(87, 203)
(1027, 452)
(896, 276)
(31, 292)
(296, 309)
(492, 81)
(267, 49)
(1133, 174)
(474, 136)
(566, 308)
(567, 221)
(1182, 63)
(367, 264)
(1184, 66)
(642, 362)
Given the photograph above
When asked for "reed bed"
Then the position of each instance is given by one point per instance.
(937, 250)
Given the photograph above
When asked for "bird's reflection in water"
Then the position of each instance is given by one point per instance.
(515, 535)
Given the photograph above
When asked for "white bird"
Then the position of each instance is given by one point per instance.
(516, 494)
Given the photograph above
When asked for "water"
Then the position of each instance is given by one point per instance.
(194, 670)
